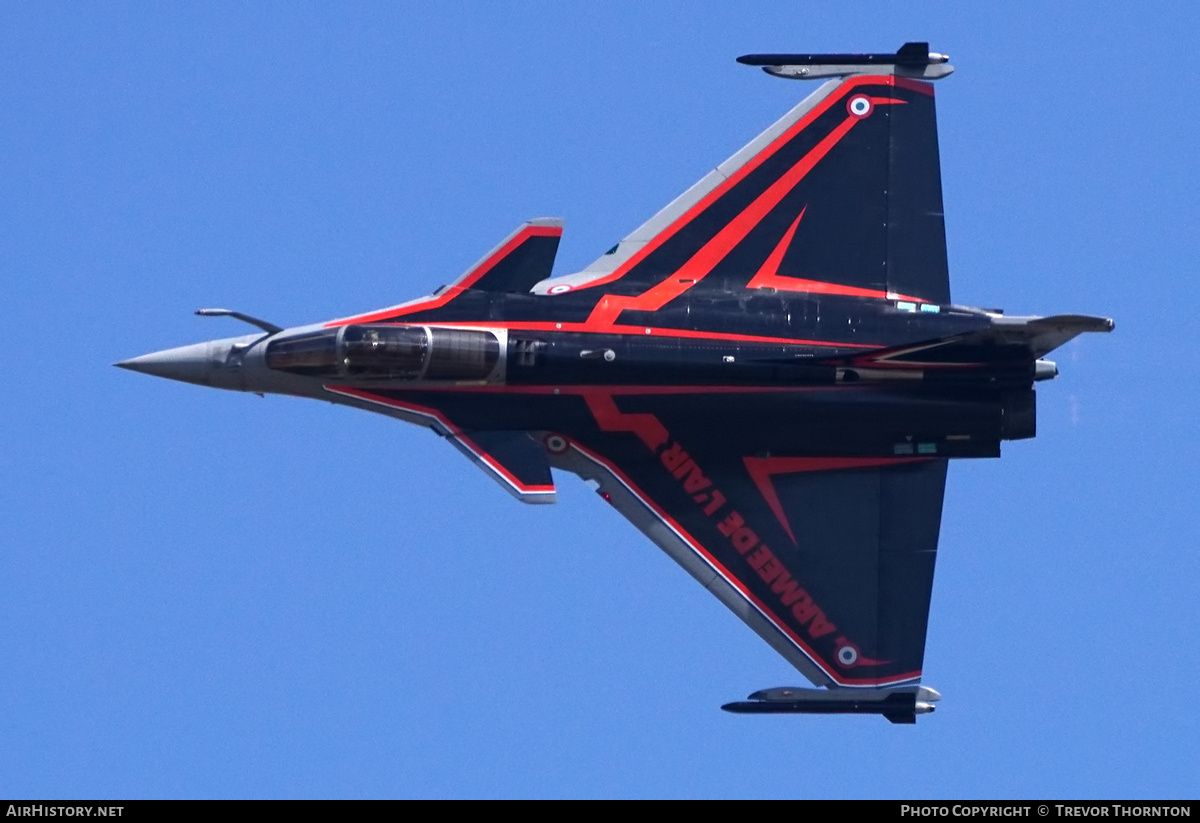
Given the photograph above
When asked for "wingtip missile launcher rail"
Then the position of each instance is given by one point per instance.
(910, 60)
(900, 705)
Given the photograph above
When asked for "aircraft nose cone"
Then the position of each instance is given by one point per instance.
(191, 364)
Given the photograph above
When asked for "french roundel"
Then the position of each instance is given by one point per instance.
(859, 106)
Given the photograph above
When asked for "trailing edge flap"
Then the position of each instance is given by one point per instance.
(513, 459)
(1007, 339)
(523, 258)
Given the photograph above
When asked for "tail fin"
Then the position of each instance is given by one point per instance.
(843, 194)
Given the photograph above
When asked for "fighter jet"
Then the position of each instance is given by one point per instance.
(768, 377)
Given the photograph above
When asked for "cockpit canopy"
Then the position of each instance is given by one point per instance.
(386, 352)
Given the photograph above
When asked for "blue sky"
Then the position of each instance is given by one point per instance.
(208, 594)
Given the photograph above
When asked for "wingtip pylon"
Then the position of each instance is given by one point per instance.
(899, 705)
(913, 59)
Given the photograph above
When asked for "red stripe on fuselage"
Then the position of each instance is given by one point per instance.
(613, 389)
(640, 331)
(609, 418)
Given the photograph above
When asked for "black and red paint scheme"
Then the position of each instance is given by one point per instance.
(769, 379)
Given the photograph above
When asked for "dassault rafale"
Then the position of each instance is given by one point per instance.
(768, 377)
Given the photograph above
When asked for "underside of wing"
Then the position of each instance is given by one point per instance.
(828, 557)
(830, 560)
